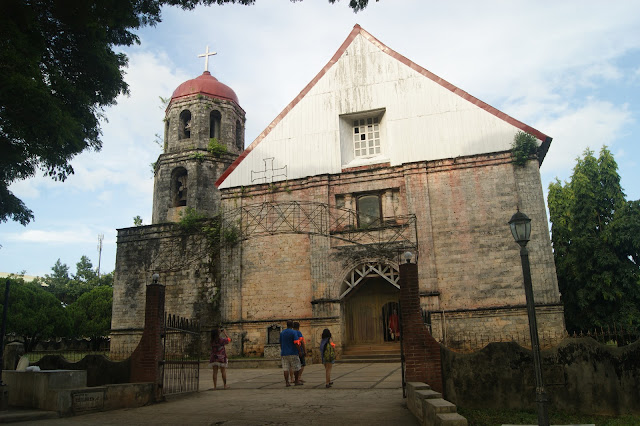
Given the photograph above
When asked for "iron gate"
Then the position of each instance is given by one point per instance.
(402, 360)
(181, 355)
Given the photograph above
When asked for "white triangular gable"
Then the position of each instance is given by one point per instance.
(422, 118)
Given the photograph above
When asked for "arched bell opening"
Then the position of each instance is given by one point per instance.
(179, 187)
(184, 129)
(215, 118)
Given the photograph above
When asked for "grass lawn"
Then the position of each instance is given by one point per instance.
(492, 417)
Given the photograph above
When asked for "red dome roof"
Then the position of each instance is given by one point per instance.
(206, 84)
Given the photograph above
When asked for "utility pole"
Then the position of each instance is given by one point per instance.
(100, 238)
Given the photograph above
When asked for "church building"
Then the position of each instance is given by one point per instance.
(377, 161)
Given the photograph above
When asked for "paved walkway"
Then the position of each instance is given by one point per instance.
(362, 394)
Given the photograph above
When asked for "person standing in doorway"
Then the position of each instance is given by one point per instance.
(328, 355)
(289, 354)
(302, 350)
(218, 358)
(394, 325)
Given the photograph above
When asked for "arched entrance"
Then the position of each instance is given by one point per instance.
(369, 296)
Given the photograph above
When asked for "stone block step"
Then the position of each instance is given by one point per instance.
(367, 360)
(366, 350)
(451, 419)
(371, 355)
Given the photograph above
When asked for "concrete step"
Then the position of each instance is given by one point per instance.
(366, 360)
(14, 415)
(371, 355)
(375, 349)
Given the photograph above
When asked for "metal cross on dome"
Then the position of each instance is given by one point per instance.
(269, 172)
(206, 55)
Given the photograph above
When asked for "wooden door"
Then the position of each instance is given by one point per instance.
(363, 310)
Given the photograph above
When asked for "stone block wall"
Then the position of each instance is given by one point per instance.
(466, 330)
(470, 277)
(469, 271)
(200, 107)
(202, 170)
(579, 375)
(182, 263)
(429, 408)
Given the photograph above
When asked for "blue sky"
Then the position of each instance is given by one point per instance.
(570, 69)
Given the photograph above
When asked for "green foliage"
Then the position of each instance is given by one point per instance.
(272, 187)
(524, 146)
(356, 5)
(491, 416)
(68, 289)
(164, 102)
(230, 235)
(84, 270)
(190, 219)
(596, 245)
(216, 148)
(198, 156)
(90, 315)
(137, 221)
(66, 59)
(33, 313)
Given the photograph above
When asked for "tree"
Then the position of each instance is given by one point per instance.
(33, 313)
(90, 315)
(58, 72)
(58, 282)
(596, 245)
(84, 270)
(68, 290)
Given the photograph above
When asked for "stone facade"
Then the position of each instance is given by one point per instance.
(469, 267)
(348, 219)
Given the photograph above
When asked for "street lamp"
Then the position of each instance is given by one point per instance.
(521, 229)
(407, 256)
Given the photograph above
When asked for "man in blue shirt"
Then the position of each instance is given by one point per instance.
(289, 353)
(302, 349)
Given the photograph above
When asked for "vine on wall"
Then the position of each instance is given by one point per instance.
(524, 146)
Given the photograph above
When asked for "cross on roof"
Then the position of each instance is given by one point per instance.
(269, 173)
(206, 55)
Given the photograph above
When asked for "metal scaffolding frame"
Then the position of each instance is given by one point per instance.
(296, 217)
(392, 234)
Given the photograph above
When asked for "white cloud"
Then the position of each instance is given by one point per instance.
(536, 61)
(591, 125)
(59, 237)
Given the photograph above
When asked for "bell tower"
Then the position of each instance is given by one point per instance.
(203, 134)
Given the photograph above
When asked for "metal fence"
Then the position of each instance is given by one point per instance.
(181, 358)
(111, 352)
(613, 335)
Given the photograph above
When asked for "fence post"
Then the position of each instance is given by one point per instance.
(421, 350)
(145, 360)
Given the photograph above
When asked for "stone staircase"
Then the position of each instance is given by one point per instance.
(430, 409)
(379, 352)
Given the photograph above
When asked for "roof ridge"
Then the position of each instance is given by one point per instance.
(358, 30)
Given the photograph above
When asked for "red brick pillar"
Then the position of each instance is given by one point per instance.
(421, 350)
(145, 360)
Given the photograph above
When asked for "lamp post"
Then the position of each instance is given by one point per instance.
(521, 229)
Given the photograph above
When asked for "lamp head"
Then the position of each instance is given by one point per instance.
(407, 256)
(155, 278)
(520, 228)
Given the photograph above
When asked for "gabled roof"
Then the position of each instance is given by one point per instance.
(357, 30)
